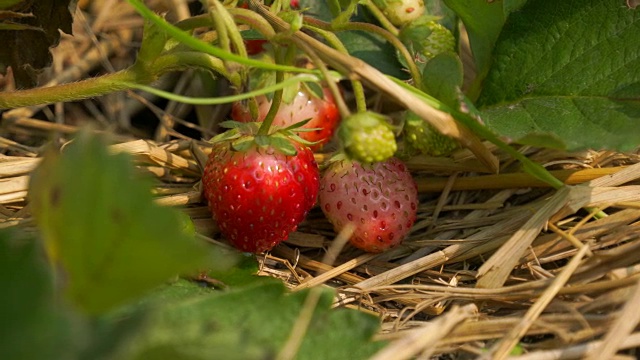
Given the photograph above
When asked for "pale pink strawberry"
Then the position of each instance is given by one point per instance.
(323, 113)
(380, 200)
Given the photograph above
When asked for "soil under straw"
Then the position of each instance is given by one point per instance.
(493, 261)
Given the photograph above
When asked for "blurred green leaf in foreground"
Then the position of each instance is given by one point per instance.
(34, 325)
(255, 321)
(102, 229)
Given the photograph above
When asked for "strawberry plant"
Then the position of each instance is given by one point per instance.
(476, 83)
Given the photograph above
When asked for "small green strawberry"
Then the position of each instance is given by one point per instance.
(367, 137)
(421, 137)
(427, 38)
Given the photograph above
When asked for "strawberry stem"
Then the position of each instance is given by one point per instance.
(133, 77)
(200, 45)
(334, 41)
(255, 21)
(221, 16)
(375, 11)
(277, 97)
(91, 87)
(219, 24)
(388, 36)
(333, 88)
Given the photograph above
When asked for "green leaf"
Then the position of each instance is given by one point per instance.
(572, 122)
(483, 20)
(252, 34)
(243, 273)
(225, 136)
(289, 93)
(442, 78)
(262, 140)
(103, 230)
(34, 325)
(321, 9)
(154, 40)
(231, 124)
(297, 126)
(558, 75)
(342, 14)
(243, 144)
(251, 322)
(315, 89)
(374, 50)
(283, 145)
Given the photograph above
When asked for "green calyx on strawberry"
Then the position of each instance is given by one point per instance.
(401, 12)
(367, 137)
(259, 187)
(378, 200)
(306, 102)
(422, 138)
(427, 38)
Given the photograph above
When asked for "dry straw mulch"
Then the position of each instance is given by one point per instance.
(493, 261)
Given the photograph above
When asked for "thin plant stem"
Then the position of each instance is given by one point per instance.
(84, 89)
(333, 87)
(133, 77)
(254, 20)
(219, 24)
(275, 102)
(227, 20)
(225, 99)
(200, 45)
(358, 89)
(381, 18)
(385, 34)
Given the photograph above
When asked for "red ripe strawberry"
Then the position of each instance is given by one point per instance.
(380, 200)
(254, 46)
(323, 113)
(259, 195)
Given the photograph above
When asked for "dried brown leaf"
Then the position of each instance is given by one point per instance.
(26, 50)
